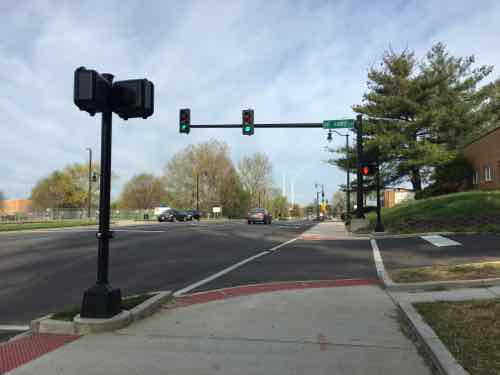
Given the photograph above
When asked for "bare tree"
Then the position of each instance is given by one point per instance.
(208, 164)
(256, 176)
(143, 191)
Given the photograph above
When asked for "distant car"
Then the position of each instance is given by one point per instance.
(161, 210)
(194, 214)
(173, 215)
(259, 215)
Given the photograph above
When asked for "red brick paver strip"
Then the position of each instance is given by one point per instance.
(219, 294)
(18, 352)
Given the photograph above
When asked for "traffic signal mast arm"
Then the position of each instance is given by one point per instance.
(276, 125)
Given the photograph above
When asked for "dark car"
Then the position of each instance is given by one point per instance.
(259, 215)
(173, 215)
(193, 214)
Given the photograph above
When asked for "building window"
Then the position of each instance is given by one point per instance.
(475, 178)
(488, 176)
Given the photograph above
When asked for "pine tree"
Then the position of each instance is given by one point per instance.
(424, 111)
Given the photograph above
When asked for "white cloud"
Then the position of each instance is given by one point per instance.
(290, 61)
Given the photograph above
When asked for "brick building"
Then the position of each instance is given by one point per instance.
(484, 156)
(394, 196)
(15, 206)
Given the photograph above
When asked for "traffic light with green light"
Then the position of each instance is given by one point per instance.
(248, 127)
(185, 120)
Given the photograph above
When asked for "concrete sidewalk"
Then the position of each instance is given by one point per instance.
(338, 330)
(329, 230)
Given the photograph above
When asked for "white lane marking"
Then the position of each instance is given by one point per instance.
(379, 264)
(283, 244)
(218, 274)
(139, 231)
(440, 241)
(14, 328)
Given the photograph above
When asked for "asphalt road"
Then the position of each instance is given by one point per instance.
(400, 253)
(305, 260)
(43, 271)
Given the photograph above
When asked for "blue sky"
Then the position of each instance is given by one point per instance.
(292, 61)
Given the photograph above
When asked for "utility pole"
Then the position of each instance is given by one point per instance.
(90, 182)
(359, 148)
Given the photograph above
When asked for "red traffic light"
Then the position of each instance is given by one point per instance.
(365, 171)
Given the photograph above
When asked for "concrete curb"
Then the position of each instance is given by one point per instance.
(84, 326)
(441, 359)
(382, 274)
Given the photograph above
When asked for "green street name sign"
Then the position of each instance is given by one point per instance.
(339, 124)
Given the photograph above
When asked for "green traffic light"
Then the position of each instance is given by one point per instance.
(247, 128)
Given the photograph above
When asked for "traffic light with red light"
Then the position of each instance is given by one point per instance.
(248, 126)
(368, 169)
(185, 120)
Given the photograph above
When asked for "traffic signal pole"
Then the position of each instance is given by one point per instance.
(102, 301)
(359, 148)
(379, 227)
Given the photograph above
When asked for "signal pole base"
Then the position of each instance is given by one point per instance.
(101, 302)
(379, 227)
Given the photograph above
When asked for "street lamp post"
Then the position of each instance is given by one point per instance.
(90, 181)
(197, 193)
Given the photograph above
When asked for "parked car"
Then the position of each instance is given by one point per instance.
(173, 215)
(194, 214)
(161, 210)
(259, 215)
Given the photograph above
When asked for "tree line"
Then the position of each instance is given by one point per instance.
(420, 113)
(204, 171)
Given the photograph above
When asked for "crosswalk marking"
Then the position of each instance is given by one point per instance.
(440, 241)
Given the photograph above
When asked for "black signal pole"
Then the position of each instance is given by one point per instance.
(90, 181)
(379, 227)
(102, 301)
(359, 148)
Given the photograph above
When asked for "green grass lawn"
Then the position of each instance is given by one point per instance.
(459, 212)
(470, 330)
(45, 225)
(470, 271)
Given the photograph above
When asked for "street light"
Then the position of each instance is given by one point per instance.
(348, 187)
(90, 181)
(316, 185)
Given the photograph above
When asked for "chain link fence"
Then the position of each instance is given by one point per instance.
(55, 214)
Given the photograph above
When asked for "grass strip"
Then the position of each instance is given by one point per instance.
(470, 330)
(45, 225)
(68, 313)
(469, 271)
